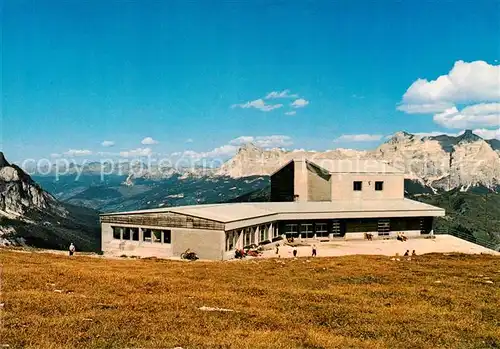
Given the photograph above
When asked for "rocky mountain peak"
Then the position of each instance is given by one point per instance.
(249, 148)
(19, 193)
(468, 137)
(401, 137)
(3, 160)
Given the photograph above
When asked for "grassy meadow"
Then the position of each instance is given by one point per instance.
(433, 301)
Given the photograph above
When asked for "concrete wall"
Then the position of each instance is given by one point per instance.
(208, 244)
(300, 180)
(318, 184)
(342, 186)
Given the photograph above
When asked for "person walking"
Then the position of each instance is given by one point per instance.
(314, 250)
(71, 249)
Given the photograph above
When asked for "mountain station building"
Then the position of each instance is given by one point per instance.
(317, 201)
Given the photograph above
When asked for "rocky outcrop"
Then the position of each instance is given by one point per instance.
(20, 194)
(31, 216)
(251, 160)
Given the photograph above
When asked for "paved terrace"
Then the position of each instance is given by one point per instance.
(441, 244)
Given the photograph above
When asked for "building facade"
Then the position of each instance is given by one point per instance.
(320, 200)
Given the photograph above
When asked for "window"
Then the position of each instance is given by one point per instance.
(167, 236)
(306, 230)
(291, 230)
(379, 186)
(247, 234)
(357, 185)
(263, 232)
(146, 235)
(156, 236)
(361, 225)
(126, 234)
(321, 229)
(135, 234)
(117, 233)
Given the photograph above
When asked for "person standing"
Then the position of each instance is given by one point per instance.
(295, 251)
(314, 250)
(71, 249)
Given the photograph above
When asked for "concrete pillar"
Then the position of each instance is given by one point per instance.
(257, 235)
(300, 180)
(271, 232)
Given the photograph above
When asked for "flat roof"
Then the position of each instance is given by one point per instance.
(234, 212)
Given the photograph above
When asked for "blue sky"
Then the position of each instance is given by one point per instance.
(77, 73)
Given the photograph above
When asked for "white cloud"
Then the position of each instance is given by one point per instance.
(230, 149)
(467, 97)
(189, 140)
(488, 134)
(108, 143)
(149, 141)
(259, 104)
(106, 153)
(177, 153)
(300, 103)
(465, 83)
(479, 115)
(55, 155)
(293, 112)
(426, 108)
(358, 138)
(139, 152)
(281, 94)
(435, 133)
(219, 152)
(242, 140)
(274, 141)
(78, 152)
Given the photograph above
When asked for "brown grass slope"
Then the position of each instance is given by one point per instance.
(52, 301)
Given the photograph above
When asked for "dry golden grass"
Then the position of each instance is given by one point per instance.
(346, 302)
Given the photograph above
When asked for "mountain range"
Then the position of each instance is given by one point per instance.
(437, 162)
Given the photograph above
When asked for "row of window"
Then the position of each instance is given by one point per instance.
(266, 232)
(358, 185)
(148, 235)
(306, 230)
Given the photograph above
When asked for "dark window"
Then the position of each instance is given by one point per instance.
(146, 235)
(361, 225)
(167, 236)
(135, 234)
(321, 229)
(117, 231)
(306, 230)
(126, 234)
(379, 186)
(357, 186)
